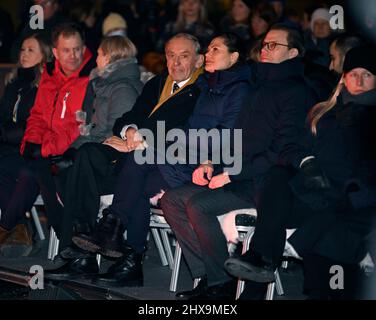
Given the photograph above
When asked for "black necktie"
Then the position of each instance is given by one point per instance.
(175, 87)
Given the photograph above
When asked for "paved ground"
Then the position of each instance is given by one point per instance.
(156, 278)
(156, 283)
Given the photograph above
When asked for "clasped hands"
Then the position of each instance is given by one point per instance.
(203, 175)
(134, 139)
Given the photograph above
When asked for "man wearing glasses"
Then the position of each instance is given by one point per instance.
(277, 117)
(272, 123)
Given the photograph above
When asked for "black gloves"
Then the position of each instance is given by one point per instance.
(63, 161)
(360, 194)
(70, 154)
(314, 178)
(32, 150)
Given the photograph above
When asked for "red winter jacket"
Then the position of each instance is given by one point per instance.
(52, 122)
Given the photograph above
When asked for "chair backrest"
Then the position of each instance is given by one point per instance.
(228, 224)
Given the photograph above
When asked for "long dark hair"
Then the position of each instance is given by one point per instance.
(46, 49)
(234, 44)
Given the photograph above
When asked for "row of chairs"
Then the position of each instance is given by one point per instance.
(245, 234)
(165, 241)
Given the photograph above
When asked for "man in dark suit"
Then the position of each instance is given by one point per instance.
(271, 123)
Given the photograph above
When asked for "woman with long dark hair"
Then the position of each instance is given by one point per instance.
(15, 107)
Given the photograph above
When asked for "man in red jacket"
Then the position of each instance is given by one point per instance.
(52, 125)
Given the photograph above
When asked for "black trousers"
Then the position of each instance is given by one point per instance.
(273, 211)
(18, 189)
(192, 212)
(20, 183)
(135, 185)
(93, 174)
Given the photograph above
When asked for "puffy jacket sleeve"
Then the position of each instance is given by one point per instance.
(123, 97)
(282, 144)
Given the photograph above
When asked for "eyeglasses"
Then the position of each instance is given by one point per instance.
(272, 45)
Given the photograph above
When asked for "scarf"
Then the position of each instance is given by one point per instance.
(166, 92)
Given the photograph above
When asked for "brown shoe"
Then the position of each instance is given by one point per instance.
(20, 235)
(4, 235)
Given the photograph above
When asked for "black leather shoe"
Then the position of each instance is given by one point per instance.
(250, 266)
(87, 242)
(126, 272)
(73, 252)
(74, 268)
(107, 238)
(222, 291)
(192, 294)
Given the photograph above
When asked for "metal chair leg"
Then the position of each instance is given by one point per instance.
(270, 291)
(98, 258)
(36, 220)
(167, 246)
(158, 243)
(53, 245)
(278, 284)
(176, 268)
(196, 281)
(246, 243)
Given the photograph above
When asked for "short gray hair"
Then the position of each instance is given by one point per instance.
(189, 37)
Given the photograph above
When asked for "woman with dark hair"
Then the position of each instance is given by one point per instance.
(15, 107)
(225, 88)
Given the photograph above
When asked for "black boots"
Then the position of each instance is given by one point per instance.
(251, 266)
(126, 272)
(194, 293)
(221, 291)
(107, 238)
(73, 264)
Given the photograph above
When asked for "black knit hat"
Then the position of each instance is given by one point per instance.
(361, 57)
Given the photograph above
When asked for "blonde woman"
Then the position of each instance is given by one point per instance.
(344, 135)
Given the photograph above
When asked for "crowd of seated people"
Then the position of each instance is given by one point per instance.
(72, 131)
